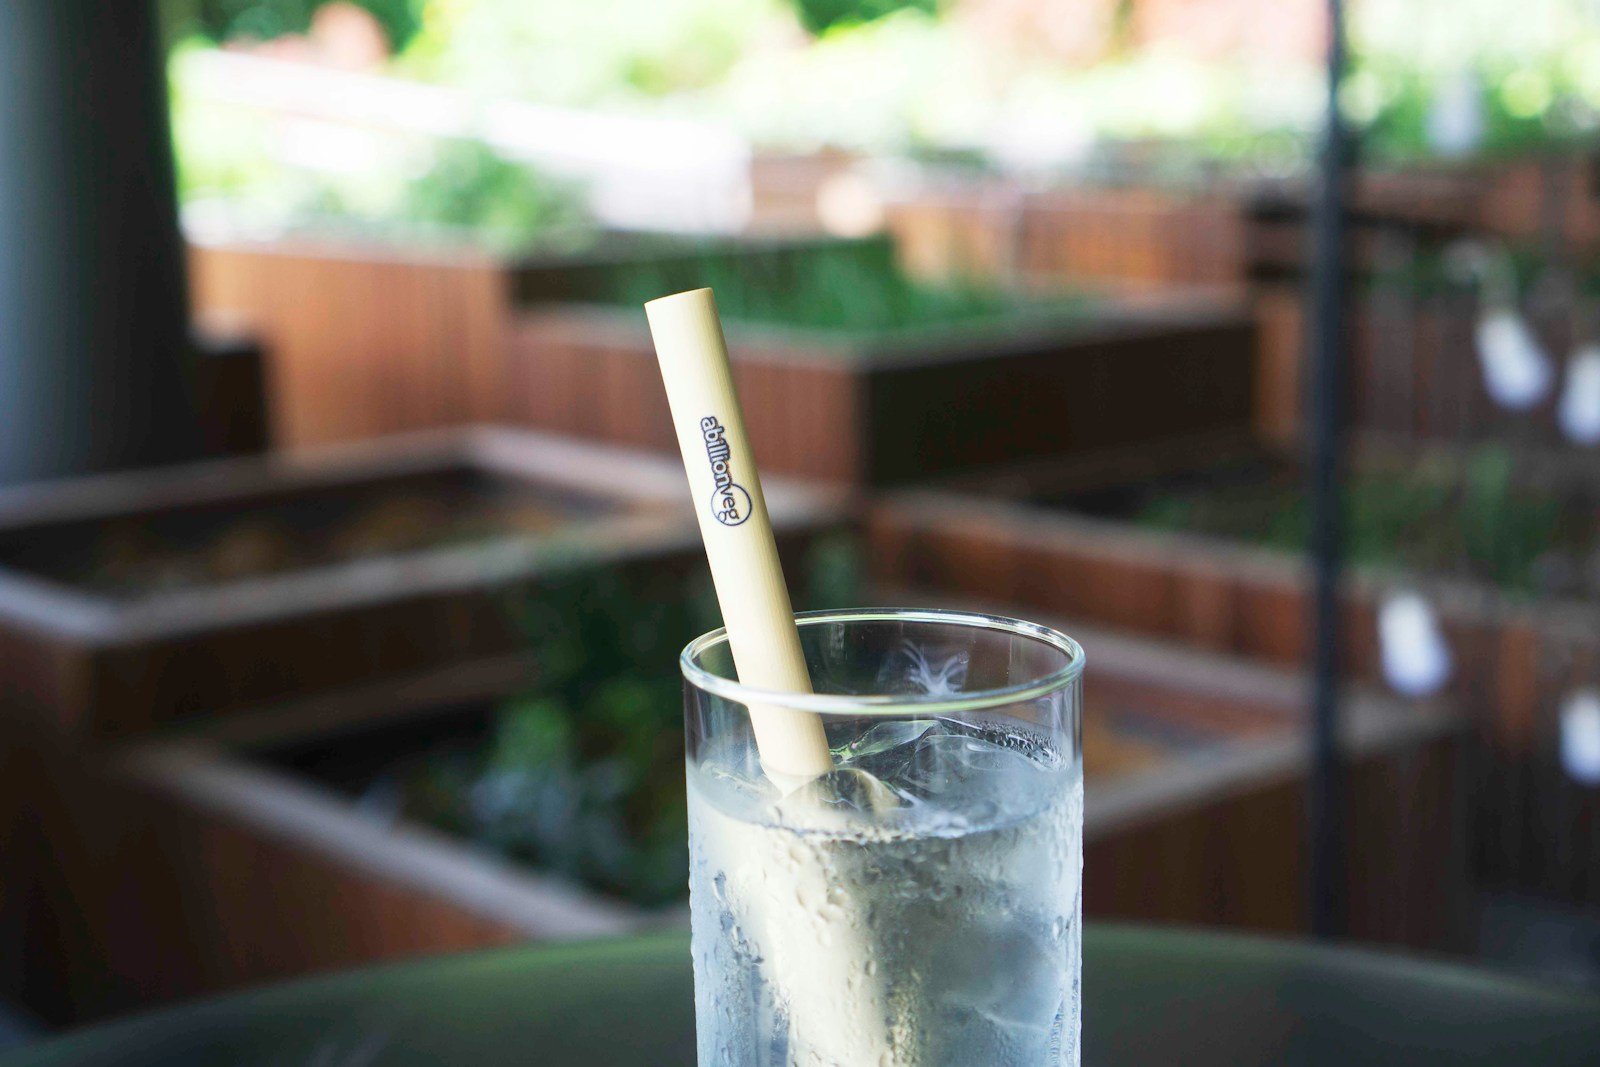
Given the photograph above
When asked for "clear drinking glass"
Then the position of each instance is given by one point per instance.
(920, 905)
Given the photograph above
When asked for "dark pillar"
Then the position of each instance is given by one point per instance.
(1325, 406)
(95, 365)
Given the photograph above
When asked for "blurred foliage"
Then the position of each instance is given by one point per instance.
(882, 75)
(1525, 83)
(582, 775)
(906, 79)
(226, 20)
(597, 51)
(269, 174)
(1504, 528)
(1398, 127)
(1424, 274)
(818, 16)
(913, 82)
(853, 287)
(1431, 273)
(1481, 520)
(473, 187)
(900, 76)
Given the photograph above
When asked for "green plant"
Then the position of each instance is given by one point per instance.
(846, 287)
(1527, 84)
(1504, 529)
(1429, 272)
(818, 16)
(1479, 520)
(584, 53)
(225, 20)
(583, 774)
(471, 186)
(1523, 109)
(405, 185)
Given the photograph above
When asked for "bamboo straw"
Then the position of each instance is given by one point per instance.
(820, 963)
(737, 530)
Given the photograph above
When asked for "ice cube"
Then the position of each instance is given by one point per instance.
(885, 736)
(999, 986)
(737, 792)
(971, 780)
(845, 799)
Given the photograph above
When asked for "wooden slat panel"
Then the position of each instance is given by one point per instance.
(140, 898)
(595, 376)
(364, 343)
(1140, 238)
(1206, 607)
(1414, 369)
(1278, 365)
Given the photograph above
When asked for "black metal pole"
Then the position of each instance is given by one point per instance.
(95, 365)
(1325, 406)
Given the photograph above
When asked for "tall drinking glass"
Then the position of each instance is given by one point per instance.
(919, 906)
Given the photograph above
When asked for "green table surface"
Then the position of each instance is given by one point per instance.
(1151, 996)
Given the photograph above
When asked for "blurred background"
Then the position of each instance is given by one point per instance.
(343, 555)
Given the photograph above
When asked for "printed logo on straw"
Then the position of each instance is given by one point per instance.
(730, 503)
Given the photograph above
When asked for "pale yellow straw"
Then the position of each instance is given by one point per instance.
(820, 961)
(738, 533)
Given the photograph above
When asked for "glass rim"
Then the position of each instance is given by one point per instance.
(884, 703)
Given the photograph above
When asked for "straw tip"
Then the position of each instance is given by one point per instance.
(687, 296)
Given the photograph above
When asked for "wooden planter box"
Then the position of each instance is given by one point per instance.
(1124, 237)
(916, 404)
(137, 878)
(1414, 361)
(1513, 662)
(1194, 773)
(325, 582)
(1198, 815)
(365, 339)
(1549, 200)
